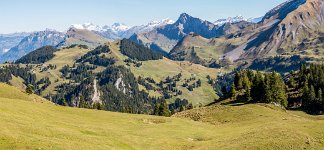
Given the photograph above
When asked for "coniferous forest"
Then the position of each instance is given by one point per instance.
(138, 52)
(297, 90)
(38, 56)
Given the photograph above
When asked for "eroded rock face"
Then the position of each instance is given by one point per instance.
(120, 85)
(96, 94)
(293, 23)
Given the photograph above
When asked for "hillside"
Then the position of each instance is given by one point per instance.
(298, 28)
(207, 52)
(82, 37)
(28, 124)
(72, 74)
(261, 126)
(292, 28)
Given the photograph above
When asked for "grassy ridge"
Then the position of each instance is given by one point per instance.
(26, 124)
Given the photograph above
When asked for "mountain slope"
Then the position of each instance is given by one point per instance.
(292, 27)
(83, 37)
(66, 74)
(209, 52)
(8, 41)
(60, 127)
(32, 42)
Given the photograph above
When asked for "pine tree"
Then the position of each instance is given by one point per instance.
(312, 100)
(258, 88)
(156, 109)
(320, 98)
(182, 108)
(246, 87)
(275, 90)
(29, 89)
(305, 91)
(224, 92)
(246, 82)
(232, 92)
(164, 109)
(238, 81)
(312, 94)
(64, 103)
(82, 102)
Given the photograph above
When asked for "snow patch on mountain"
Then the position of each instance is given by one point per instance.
(236, 19)
(5, 50)
(230, 20)
(87, 26)
(119, 30)
(148, 27)
(119, 27)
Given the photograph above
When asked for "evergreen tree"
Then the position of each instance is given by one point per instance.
(306, 94)
(238, 81)
(64, 103)
(232, 92)
(157, 109)
(224, 92)
(247, 87)
(82, 102)
(320, 98)
(164, 109)
(29, 89)
(258, 88)
(275, 90)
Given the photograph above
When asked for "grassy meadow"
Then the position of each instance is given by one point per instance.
(28, 122)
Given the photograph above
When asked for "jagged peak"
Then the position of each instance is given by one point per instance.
(184, 17)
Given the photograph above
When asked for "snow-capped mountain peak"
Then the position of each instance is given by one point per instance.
(119, 27)
(160, 23)
(119, 30)
(116, 27)
(87, 26)
(235, 19)
(148, 27)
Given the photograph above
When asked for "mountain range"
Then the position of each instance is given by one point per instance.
(32, 42)
(87, 33)
(8, 41)
(290, 28)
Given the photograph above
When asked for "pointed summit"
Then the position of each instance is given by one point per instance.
(184, 17)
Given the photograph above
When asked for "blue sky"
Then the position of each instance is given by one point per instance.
(33, 15)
